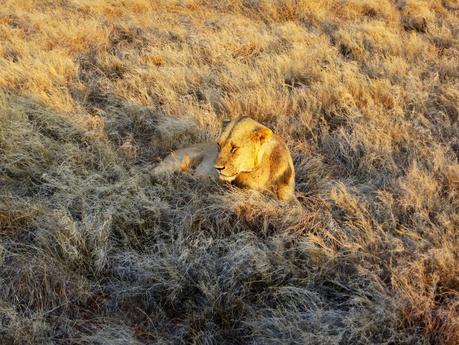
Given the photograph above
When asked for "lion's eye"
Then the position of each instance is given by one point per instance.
(234, 149)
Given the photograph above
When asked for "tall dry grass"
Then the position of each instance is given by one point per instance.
(93, 250)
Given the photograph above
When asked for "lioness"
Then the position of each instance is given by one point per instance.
(247, 153)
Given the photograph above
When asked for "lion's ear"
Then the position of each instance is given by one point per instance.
(262, 134)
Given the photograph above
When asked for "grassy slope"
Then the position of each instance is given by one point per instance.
(94, 251)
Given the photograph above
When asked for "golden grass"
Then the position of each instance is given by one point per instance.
(93, 250)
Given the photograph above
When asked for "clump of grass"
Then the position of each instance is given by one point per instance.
(94, 250)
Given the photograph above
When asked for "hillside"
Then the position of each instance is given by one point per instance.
(94, 250)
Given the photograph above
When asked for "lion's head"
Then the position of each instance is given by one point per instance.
(240, 147)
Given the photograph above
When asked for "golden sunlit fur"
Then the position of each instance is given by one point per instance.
(255, 158)
(247, 153)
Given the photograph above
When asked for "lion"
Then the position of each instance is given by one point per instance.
(247, 154)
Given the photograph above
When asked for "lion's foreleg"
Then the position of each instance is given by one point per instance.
(179, 160)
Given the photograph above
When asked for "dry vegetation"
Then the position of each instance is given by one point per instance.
(93, 250)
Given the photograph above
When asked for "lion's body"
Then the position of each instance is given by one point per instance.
(247, 153)
(197, 157)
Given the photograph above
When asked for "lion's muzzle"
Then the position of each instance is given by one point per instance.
(222, 175)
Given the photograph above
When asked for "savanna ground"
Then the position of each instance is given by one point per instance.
(93, 250)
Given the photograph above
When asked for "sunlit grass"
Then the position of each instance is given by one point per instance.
(93, 250)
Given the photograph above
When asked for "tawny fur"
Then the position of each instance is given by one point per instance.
(248, 154)
(197, 157)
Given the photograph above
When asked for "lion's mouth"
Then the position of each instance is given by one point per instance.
(228, 178)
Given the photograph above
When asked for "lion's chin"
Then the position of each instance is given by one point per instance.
(227, 178)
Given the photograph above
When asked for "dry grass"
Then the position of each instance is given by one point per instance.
(95, 251)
